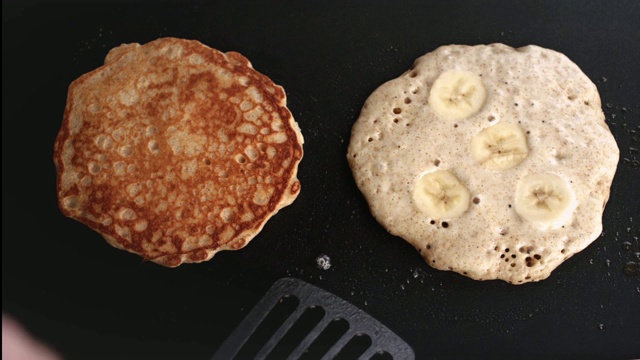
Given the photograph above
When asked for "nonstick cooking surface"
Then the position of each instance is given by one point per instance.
(89, 300)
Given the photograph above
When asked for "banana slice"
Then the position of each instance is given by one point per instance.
(500, 147)
(545, 200)
(440, 195)
(457, 94)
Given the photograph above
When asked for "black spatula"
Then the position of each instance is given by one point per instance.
(296, 320)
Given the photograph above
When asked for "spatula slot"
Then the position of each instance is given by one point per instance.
(326, 339)
(296, 320)
(307, 321)
(383, 355)
(354, 348)
(272, 322)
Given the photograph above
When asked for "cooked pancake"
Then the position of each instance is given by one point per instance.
(493, 162)
(174, 151)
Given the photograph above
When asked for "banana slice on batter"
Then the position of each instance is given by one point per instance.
(457, 94)
(441, 195)
(545, 200)
(500, 147)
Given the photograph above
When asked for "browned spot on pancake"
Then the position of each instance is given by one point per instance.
(174, 150)
(238, 244)
(295, 187)
(198, 255)
(172, 261)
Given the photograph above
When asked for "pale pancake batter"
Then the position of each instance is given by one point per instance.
(493, 162)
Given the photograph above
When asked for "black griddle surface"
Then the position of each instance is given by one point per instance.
(89, 300)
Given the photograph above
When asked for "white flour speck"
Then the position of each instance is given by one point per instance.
(324, 262)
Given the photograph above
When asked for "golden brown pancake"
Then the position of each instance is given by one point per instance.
(174, 151)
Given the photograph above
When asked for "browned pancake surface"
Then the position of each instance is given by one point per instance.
(174, 151)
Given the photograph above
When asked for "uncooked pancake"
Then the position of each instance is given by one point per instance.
(493, 162)
(174, 151)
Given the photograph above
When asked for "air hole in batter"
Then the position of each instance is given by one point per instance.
(153, 145)
(94, 168)
(527, 249)
(529, 261)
